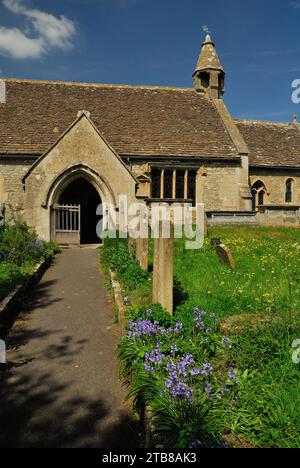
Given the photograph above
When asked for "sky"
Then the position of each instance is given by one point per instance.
(157, 42)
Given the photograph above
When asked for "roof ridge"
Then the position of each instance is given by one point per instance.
(97, 85)
(263, 122)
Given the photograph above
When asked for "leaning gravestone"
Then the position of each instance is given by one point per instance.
(225, 256)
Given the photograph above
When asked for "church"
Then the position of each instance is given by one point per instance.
(66, 147)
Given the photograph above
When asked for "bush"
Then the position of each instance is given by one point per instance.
(115, 254)
(21, 250)
(19, 245)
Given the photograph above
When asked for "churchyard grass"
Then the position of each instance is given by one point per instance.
(263, 410)
(266, 278)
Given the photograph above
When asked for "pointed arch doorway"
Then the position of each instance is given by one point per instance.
(75, 215)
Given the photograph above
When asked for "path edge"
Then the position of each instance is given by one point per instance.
(146, 412)
(9, 301)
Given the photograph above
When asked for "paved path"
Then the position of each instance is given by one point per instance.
(63, 389)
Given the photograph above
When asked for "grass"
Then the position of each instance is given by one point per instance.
(265, 284)
(266, 279)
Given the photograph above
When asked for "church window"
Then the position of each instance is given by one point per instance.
(174, 184)
(289, 191)
(258, 194)
(156, 180)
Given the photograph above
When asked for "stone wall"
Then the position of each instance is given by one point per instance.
(221, 186)
(274, 181)
(276, 216)
(81, 152)
(224, 187)
(12, 171)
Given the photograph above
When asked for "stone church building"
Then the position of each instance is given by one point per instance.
(65, 147)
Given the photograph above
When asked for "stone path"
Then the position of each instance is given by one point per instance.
(63, 390)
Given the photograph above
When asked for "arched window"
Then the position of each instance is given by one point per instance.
(258, 194)
(289, 191)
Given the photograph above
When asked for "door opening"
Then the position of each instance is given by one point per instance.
(82, 193)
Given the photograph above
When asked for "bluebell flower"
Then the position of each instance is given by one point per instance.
(225, 341)
(233, 375)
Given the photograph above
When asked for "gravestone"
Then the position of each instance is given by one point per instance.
(225, 256)
(142, 252)
(140, 247)
(163, 270)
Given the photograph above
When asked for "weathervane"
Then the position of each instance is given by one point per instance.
(205, 29)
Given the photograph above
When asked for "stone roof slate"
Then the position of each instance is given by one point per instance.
(271, 144)
(146, 121)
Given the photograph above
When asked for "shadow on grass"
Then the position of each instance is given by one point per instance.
(179, 294)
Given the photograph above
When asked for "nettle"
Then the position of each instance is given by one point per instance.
(171, 369)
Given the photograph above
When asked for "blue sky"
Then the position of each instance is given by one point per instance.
(157, 42)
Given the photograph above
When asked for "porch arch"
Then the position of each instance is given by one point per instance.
(60, 183)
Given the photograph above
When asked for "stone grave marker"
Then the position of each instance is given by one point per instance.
(225, 256)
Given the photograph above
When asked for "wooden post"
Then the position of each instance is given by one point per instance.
(163, 270)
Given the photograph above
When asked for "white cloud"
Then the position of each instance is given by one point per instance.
(295, 4)
(46, 32)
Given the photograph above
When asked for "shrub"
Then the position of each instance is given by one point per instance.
(115, 254)
(21, 250)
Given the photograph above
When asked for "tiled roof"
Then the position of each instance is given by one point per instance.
(271, 144)
(146, 121)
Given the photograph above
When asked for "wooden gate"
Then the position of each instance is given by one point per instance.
(67, 224)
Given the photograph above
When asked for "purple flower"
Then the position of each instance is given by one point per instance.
(174, 349)
(142, 328)
(199, 319)
(207, 369)
(38, 245)
(148, 368)
(225, 341)
(208, 330)
(178, 327)
(196, 371)
(233, 375)
(196, 444)
(155, 357)
(149, 313)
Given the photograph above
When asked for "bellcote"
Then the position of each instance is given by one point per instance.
(209, 76)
